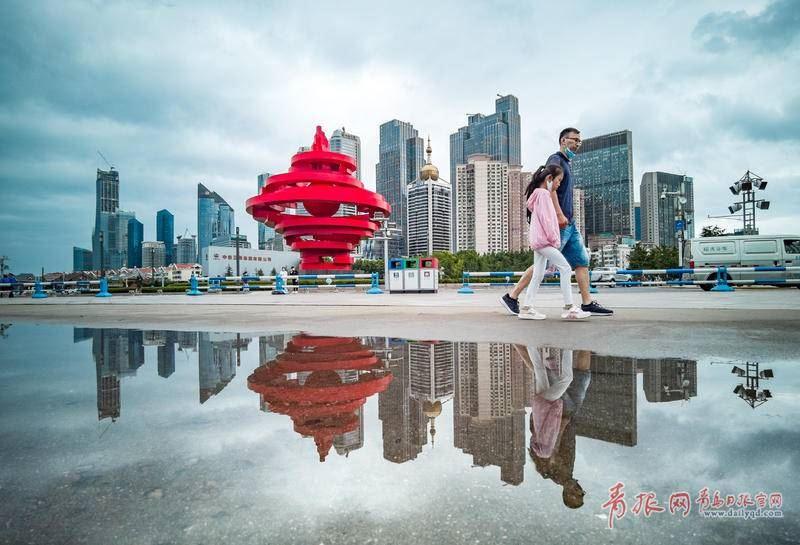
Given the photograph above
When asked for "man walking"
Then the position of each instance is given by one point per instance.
(571, 241)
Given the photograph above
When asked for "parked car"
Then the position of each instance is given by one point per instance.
(608, 274)
(744, 251)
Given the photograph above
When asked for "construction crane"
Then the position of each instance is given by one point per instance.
(110, 166)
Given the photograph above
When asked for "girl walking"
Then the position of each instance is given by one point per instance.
(545, 240)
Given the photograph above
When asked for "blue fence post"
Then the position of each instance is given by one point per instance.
(722, 280)
(103, 288)
(374, 288)
(38, 292)
(465, 285)
(193, 286)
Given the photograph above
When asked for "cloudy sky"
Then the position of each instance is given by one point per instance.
(178, 93)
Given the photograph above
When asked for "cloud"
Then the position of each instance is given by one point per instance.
(772, 30)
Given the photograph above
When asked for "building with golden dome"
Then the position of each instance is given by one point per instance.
(429, 211)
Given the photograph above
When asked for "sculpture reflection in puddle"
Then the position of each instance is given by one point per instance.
(321, 383)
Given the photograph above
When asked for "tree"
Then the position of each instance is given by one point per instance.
(713, 231)
(4, 264)
(639, 258)
(260, 272)
(229, 271)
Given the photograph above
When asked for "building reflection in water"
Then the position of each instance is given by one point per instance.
(322, 383)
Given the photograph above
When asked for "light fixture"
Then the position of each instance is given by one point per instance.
(767, 394)
(735, 207)
(737, 370)
(760, 184)
(763, 205)
(745, 185)
(735, 188)
(738, 390)
(766, 373)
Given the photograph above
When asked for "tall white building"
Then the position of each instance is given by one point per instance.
(154, 254)
(482, 205)
(342, 141)
(429, 212)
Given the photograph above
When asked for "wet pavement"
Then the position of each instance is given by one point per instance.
(144, 436)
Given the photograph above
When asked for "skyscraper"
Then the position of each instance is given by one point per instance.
(154, 254)
(496, 135)
(481, 190)
(349, 144)
(215, 223)
(399, 160)
(429, 211)
(517, 221)
(116, 243)
(342, 141)
(659, 215)
(135, 239)
(106, 203)
(165, 232)
(637, 220)
(489, 407)
(186, 249)
(603, 168)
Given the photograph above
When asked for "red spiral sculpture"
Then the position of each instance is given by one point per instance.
(321, 180)
(321, 406)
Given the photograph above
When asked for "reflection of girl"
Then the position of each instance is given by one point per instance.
(558, 393)
(545, 241)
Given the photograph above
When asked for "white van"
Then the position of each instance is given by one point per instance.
(744, 251)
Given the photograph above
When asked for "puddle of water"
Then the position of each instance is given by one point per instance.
(183, 437)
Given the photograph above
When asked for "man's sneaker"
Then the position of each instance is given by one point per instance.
(574, 313)
(510, 304)
(531, 314)
(596, 309)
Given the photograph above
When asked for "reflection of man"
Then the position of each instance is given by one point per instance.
(560, 380)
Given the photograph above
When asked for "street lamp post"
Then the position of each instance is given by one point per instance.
(679, 217)
(237, 251)
(386, 233)
(102, 261)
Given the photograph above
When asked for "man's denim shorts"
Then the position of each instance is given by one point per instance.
(572, 246)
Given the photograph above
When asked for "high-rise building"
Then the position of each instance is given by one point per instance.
(116, 243)
(403, 423)
(215, 223)
(81, 259)
(579, 211)
(637, 220)
(489, 407)
(344, 142)
(218, 355)
(399, 160)
(496, 135)
(659, 215)
(106, 203)
(481, 190)
(135, 239)
(517, 221)
(186, 249)
(428, 211)
(165, 232)
(154, 254)
(603, 168)
(268, 238)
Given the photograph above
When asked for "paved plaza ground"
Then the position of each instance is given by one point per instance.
(647, 321)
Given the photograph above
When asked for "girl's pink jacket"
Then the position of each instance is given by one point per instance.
(544, 230)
